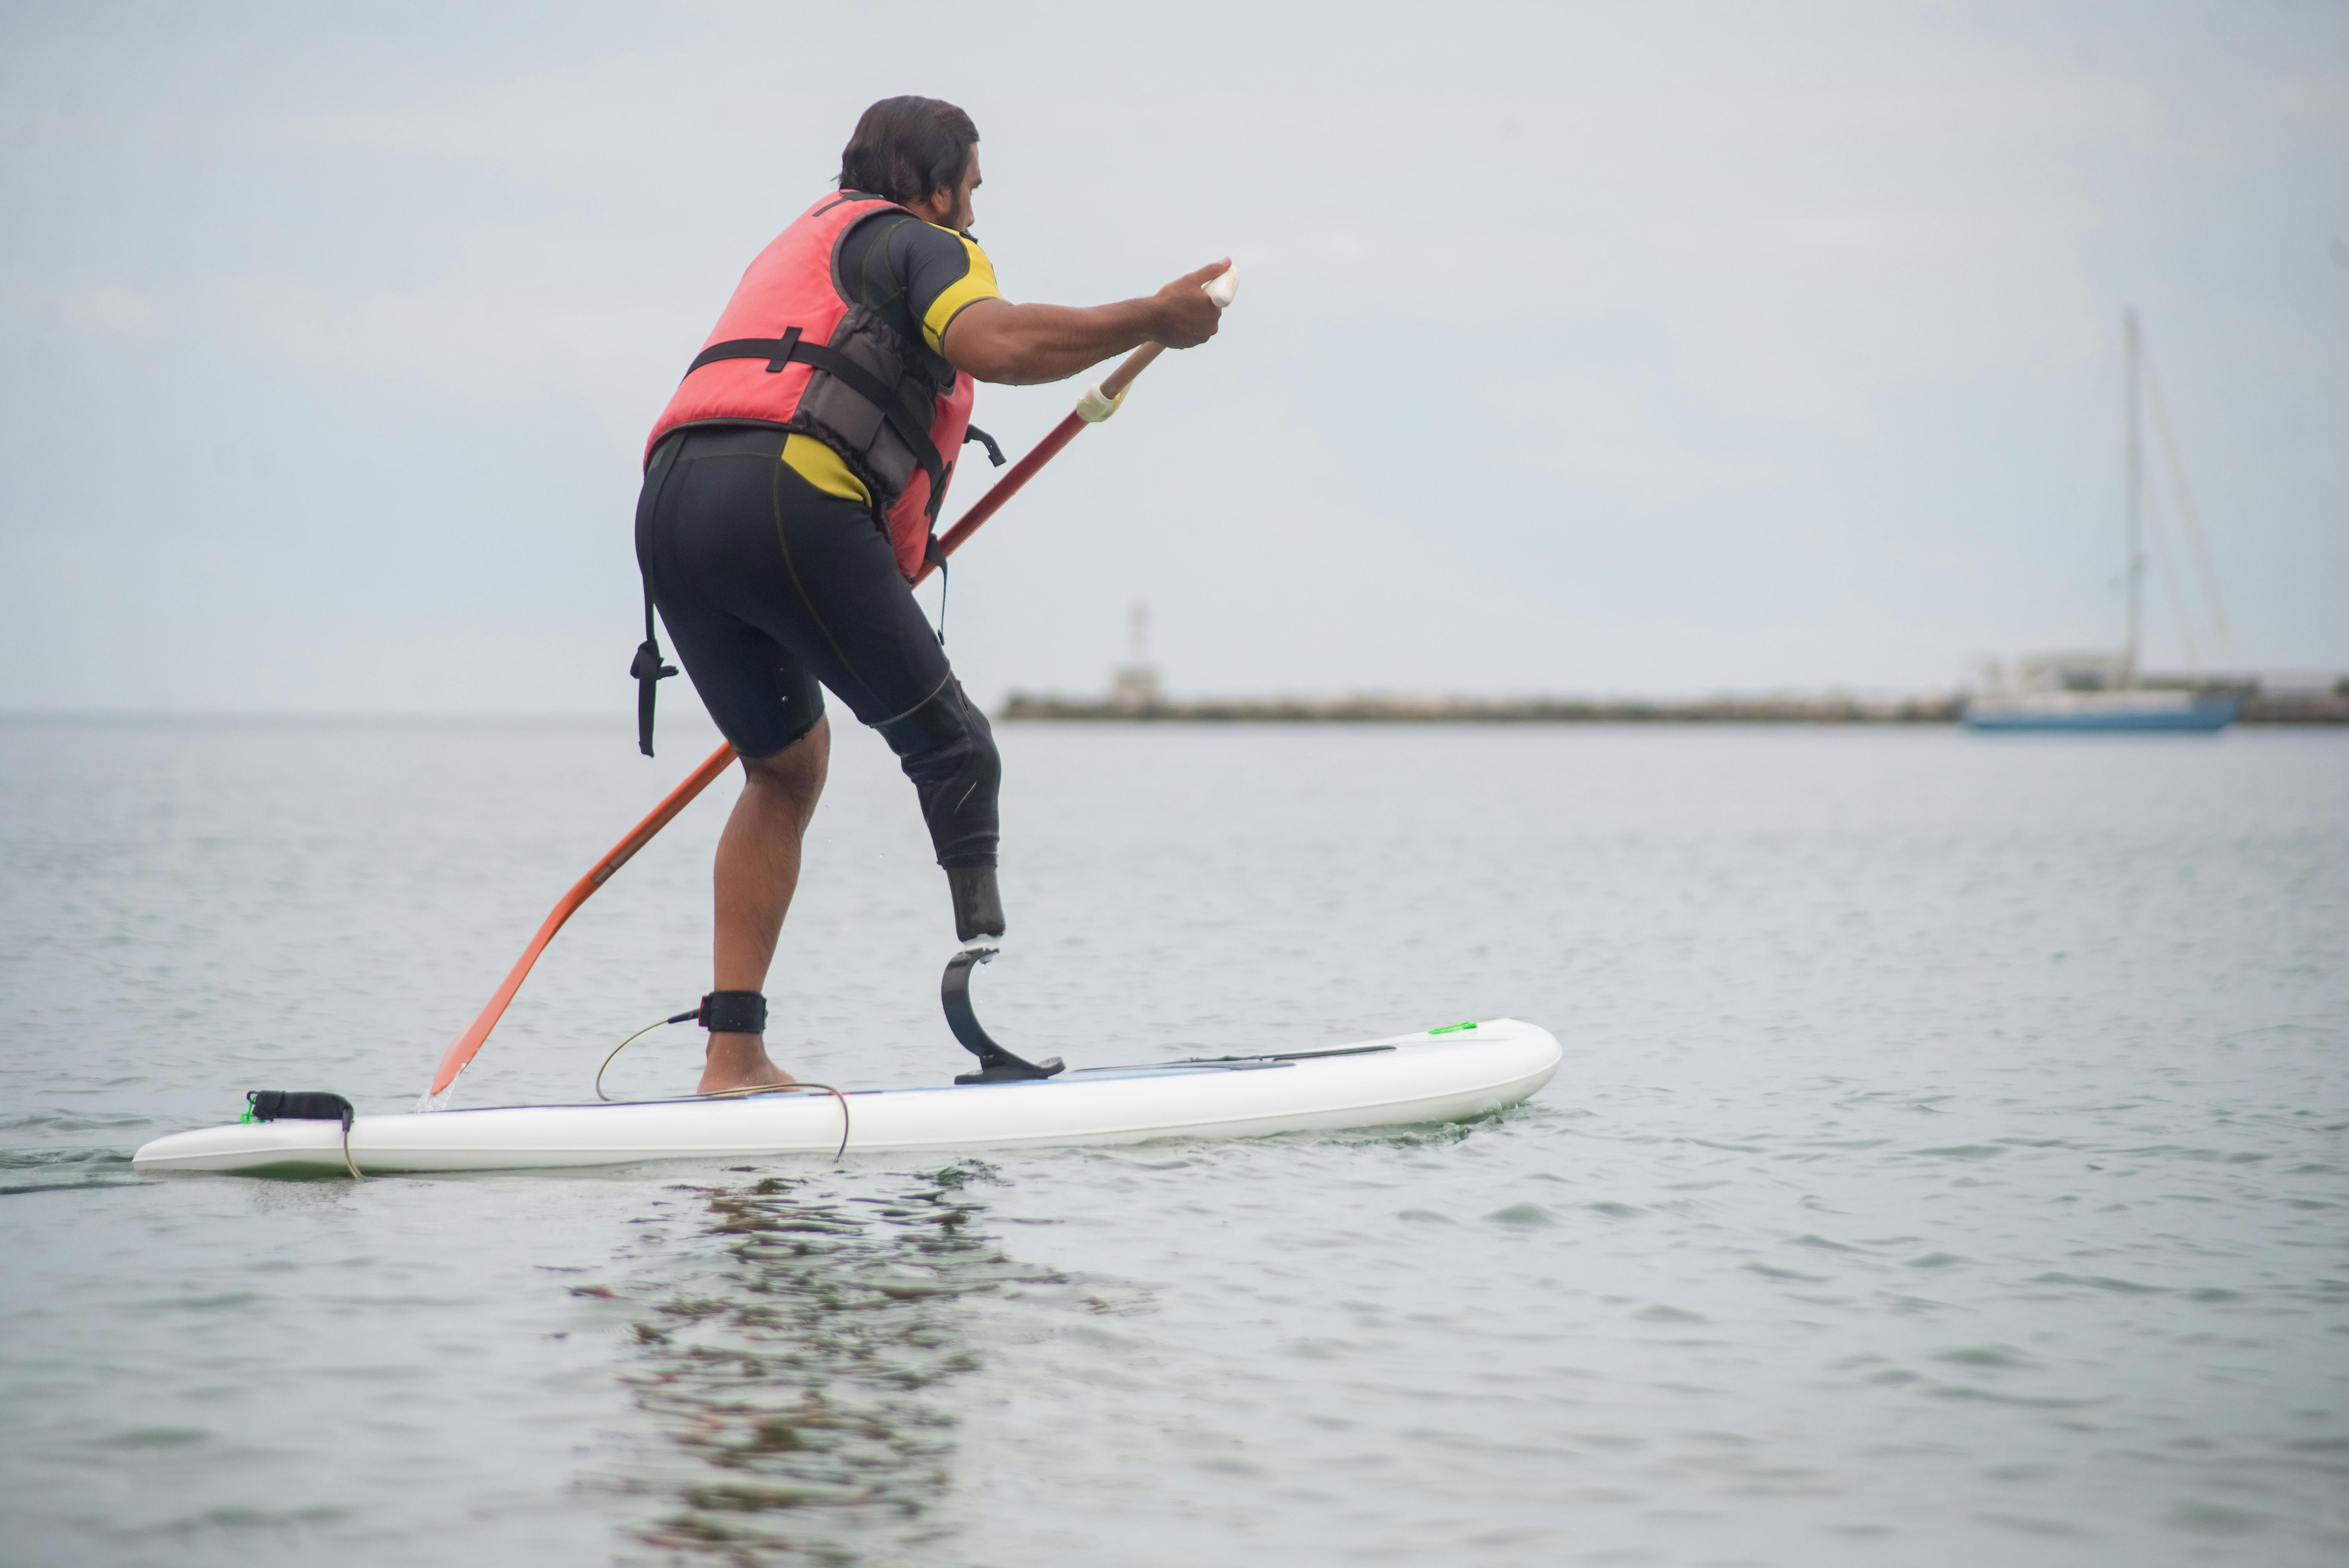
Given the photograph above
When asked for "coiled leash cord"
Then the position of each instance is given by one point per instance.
(304, 1105)
(743, 1093)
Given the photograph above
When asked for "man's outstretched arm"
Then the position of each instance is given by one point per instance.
(1021, 345)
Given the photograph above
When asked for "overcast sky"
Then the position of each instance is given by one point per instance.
(1627, 349)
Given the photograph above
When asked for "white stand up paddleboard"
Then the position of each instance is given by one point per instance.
(1439, 1075)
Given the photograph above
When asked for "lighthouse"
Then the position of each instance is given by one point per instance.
(1133, 686)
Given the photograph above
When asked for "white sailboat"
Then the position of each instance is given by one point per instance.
(2101, 691)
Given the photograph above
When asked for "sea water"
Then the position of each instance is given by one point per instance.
(1948, 1164)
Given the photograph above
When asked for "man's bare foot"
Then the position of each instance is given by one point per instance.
(740, 1061)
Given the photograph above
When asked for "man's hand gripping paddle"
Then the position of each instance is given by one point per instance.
(1098, 404)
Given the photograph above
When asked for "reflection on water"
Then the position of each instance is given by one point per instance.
(790, 1370)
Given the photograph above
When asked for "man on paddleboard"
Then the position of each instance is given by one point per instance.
(791, 490)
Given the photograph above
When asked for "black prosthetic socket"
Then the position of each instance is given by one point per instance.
(733, 1013)
(977, 901)
(946, 749)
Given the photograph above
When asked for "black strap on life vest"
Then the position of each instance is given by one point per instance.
(936, 555)
(779, 352)
(648, 670)
(938, 497)
(932, 551)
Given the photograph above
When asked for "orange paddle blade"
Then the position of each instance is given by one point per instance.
(460, 1050)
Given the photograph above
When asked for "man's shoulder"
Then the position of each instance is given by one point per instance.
(950, 245)
(913, 247)
(933, 273)
(953, 289)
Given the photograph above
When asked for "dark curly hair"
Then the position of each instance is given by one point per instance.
(907, 148)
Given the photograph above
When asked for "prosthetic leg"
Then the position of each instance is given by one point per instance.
(978, 916)
(996, 1065)
(946, 749)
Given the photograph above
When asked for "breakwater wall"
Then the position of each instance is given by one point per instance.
(2293, 709)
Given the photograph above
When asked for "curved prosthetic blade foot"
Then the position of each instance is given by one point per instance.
(996, 1065)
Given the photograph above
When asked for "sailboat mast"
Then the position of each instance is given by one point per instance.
(2134, 484)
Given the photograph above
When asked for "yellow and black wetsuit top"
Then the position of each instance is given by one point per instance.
(918, 277)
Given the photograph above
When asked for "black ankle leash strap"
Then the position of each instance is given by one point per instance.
(733, 1013)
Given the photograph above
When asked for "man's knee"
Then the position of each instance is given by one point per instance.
(799, 769)
(945, 731)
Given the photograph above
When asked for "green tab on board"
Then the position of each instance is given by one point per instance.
(1451, 1028)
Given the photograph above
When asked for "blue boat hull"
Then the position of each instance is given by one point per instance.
(2204, 716)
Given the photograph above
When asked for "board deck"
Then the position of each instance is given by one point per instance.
(1442, 1075)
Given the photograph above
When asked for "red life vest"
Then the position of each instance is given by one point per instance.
(791, 349)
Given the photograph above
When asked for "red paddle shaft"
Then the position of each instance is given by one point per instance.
(461, 1050)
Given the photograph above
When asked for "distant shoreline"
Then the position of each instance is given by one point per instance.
(1021, 706)
(2286, 709)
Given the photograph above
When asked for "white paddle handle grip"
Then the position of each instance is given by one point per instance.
(1097, 404)
(1100, 402)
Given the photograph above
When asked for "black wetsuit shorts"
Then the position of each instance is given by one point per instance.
(772, 589)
